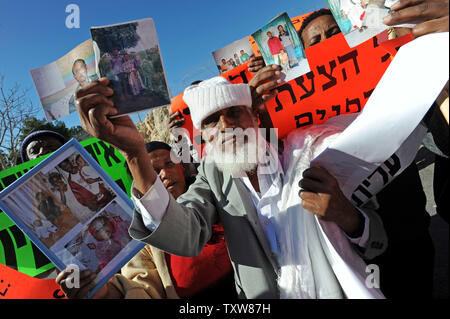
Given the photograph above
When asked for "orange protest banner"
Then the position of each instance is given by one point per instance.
(15, 285)
(340, 82)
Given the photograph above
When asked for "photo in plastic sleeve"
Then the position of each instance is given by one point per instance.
(129, 55)
(361, 20)
(51, 204)
(279, 43)
(102, 239)
(233, 55)
(74, 213)
(57, 82)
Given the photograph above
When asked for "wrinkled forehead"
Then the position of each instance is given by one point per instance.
(319, 25)
(160, 157)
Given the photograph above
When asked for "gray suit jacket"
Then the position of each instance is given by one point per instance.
(187, 225)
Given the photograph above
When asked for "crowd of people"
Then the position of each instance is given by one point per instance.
(226, 227)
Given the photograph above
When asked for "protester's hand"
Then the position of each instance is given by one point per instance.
(87, 278)
(176, 120)
(256, 64)
(263, 84)
(95, 110)
(322, 196)
(432, 15)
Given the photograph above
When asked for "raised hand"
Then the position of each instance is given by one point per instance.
(431, 15)
(95, 110)
(322, 196)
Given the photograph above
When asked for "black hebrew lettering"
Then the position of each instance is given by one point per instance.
(3, 293)
(186, 111)
(96, 148)
(375, 42)
(363, 191)
(383, 174)
(385, 57)
(322, 70)
(40, 259)
(300, 80)
(58, 294)
(8, 248)
(337, 109)
(393, 167)
(307, 115)
(368, 93)
(282, 88)
(356, 102)
(19, 237)
(352, 55)
(279, 105)
(241, 75)
(322, 113)
(109, 153)
(91, 152)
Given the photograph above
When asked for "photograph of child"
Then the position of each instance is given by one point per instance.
(235, 54)
(80, 187)
(279, 44)
(102, 239)
(360, 20)
(128, 54)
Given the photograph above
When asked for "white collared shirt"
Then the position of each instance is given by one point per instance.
(153, 205)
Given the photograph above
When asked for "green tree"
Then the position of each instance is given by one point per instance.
(116, 37)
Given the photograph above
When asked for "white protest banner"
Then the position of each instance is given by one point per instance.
(385, 138)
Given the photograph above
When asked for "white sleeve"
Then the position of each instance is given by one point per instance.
(362, 241)
(153, 205)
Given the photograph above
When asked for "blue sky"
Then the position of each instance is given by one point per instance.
(33, 33)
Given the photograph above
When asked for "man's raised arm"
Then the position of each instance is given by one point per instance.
(95, 110)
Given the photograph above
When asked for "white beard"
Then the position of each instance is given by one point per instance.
(244, 159)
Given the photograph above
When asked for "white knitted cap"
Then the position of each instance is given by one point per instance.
(214, 95)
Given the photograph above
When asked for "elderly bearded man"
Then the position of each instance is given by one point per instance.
(238, 193)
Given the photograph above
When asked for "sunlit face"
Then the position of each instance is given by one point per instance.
(281, 29)
(231, 136)
(42, 146)
(170, 173)
(269, 34)
(319, 30)
(80, 73)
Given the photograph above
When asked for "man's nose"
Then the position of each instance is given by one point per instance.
(225, 122)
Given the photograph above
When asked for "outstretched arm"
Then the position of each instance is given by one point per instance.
(95, 110)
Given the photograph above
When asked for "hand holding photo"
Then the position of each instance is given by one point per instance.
(279, 43)
(74, 213)
(361, 20)
(128, 54)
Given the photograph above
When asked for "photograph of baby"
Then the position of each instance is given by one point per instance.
(102, 239)
(129, 55)
(360, 20)
(233, 55)
(279, 43)
(52, 203)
